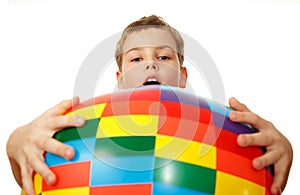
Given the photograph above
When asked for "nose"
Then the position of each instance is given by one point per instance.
(151, 66)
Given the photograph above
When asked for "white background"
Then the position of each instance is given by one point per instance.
(255, 45)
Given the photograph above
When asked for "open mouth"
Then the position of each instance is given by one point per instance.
(151, 81)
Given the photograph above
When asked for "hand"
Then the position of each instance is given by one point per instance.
(27, 144)
(278, 149)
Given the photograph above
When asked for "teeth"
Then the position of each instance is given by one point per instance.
(151, 79)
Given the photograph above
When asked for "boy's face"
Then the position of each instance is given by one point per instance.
(150, 57)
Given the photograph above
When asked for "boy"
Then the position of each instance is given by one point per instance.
(149, 52)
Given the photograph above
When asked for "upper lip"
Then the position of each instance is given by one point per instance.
(151, 78)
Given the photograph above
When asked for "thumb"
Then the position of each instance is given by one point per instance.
(238, 106)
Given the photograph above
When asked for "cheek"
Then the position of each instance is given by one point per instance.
(132, 77)
(170, 75)
(127, 66)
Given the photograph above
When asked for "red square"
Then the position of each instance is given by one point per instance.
(239, 166)
(144, 189)
(186, 129)
(70, 175)
(228, 141)
(269, 181)
(186, 111)
(147, 107)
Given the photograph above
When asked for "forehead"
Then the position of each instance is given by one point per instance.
(150, 37)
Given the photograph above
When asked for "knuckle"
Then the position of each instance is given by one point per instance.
(269, 138)
(59, 111)
(54, 122)
(70, 120)
(29, 140)
(63, 103)
(60, 108)
(243, 106)
(250, 139)
(57, 123)
(62, 121)
(24, 174)
(32, 159)
(254, 118)
(277, 154)
(46, 142)
(36, 124)
(277, 139)
(270, 125)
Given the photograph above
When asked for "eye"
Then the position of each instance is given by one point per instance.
(163, 58)
(136, 59)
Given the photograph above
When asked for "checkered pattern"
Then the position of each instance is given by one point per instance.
(155, 140)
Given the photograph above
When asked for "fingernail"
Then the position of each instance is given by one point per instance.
(67, 153)
(79, 120)
(242, 140)
(257, 164)
(233, 115)
(50, 179)
(234, 100)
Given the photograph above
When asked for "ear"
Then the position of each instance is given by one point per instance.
(119, 79)
(183, 77)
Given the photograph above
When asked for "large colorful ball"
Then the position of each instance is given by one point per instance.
(155, 140)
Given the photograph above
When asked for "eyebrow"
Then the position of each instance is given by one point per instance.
(159, 47)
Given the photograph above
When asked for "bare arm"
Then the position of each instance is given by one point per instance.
(27, 144)
(279, 150)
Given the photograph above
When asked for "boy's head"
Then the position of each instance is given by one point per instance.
(150, 52)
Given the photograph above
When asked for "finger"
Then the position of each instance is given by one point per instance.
(40, 167)
(277, 191)
(75, 101)
(255, 139)
(282, 173)
(58, 148)
(60, 122)
(63, 106)
(269, 158)
(279, 177)
(275, 187)
(236, 105)
(279, 180)
(27, 184)
(251, 119)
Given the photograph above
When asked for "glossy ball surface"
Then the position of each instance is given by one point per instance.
(155, 140)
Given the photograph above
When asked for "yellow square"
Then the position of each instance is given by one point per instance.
(69, 191)
(90, 112)
(185, 151)
(127, 125)
(38, 181)
(229, 184)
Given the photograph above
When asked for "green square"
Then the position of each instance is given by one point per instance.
(184, 174)
(125, 146)
(73, 133)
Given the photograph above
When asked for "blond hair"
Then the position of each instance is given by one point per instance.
(147, 22)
